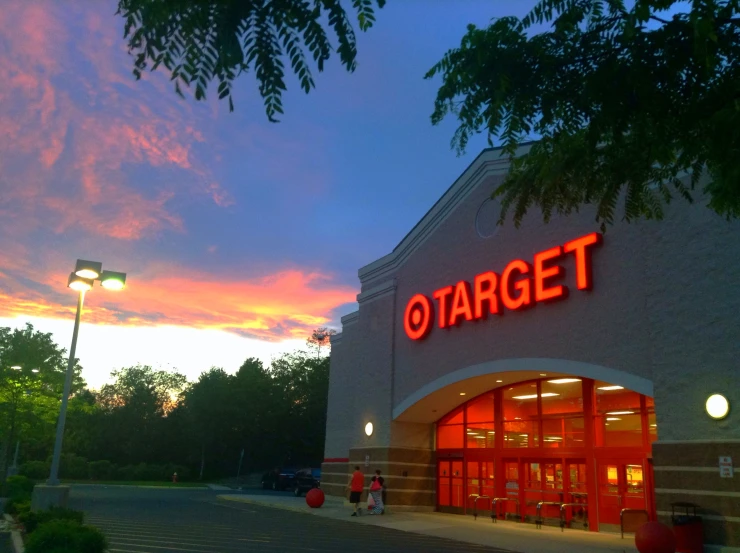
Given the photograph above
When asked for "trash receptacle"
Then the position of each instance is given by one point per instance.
(688, 528)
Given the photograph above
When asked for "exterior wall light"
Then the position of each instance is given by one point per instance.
(717, 406)
(369, 429)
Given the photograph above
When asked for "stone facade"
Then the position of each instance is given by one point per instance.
(665, 310)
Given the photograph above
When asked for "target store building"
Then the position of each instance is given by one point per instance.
(547, 373)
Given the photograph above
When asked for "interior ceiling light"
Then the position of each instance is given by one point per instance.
(16, 367)
(462, 393)
(543, 374)
(534, 396)
(564, 380)
(653, 426)
(613, 419)
(621, 413)
(499, 381)
(610, 388)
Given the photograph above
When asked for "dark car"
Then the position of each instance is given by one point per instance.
(306, 479)
(279, 479)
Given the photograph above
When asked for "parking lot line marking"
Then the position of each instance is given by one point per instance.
(209, 540)
(166, 531)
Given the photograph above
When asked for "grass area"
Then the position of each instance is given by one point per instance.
(157, 484)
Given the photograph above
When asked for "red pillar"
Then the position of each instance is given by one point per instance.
(589, 410)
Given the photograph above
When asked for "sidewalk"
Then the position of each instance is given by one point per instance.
(523, 538)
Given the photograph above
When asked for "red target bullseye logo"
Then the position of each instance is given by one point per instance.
(417, 320)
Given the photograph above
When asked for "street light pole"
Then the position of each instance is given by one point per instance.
(81, 280)
(54, 474)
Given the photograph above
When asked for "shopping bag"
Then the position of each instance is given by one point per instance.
(370, 501)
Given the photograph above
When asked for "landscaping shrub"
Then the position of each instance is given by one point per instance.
(33, 519)
(126, 473)
(142, 471)
(66, 535)
(37, 470)
(16, 505)
(18, 486)
(73, 467)
(102, 470)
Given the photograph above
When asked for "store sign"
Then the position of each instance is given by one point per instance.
(725, 467)
(520, 285)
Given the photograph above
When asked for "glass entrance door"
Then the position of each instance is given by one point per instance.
(450, 483)
(480, 482)
(621, 486)
(543, 482)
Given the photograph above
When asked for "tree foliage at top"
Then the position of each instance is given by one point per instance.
(201, 41)
(626, 102)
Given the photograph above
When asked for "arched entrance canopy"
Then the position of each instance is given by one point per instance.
(436, 398)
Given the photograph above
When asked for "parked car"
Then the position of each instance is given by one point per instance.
(306, 479)
(279, 479)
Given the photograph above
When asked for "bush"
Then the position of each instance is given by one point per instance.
(142, 471)
(66, 535)
(17, 505)
(73, 467)
(102, 470)
(18, 486)
(37, 470)
(33, 519)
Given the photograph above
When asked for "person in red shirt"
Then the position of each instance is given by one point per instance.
(356, 485)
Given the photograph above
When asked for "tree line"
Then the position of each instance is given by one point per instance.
(147, 424)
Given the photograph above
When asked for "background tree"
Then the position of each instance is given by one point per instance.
(625, 101)
(202, 41)
(319, 338)
(29, 396)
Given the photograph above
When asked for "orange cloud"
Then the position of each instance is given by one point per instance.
(288, 304)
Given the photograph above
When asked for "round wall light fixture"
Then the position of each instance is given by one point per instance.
(717, 406)
(369, 429)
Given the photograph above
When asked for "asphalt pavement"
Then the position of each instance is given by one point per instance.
(145, 520)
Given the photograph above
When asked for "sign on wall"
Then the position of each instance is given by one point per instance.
(725, 467)
(519, 286)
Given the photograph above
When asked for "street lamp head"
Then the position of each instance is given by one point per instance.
(88, 269)
(34, 370)
(79, 283)
(16, 367)
(113, 280)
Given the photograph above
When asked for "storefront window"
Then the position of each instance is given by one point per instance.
(480, 409)
(520, 402)
(618, 422)
(562, 396)
(521, 434)
(567, 432)
(450, 436)
(652, 427)
(480, 435)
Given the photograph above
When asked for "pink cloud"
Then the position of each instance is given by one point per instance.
(70, 138)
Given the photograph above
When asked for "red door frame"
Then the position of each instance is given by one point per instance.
(591, 454)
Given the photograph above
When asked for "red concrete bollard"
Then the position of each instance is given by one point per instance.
(655, 537)
(315, 498)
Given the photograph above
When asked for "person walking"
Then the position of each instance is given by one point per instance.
(356, 485)
(376, 492)
(383, 490)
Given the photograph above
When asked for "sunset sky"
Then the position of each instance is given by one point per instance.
(238, 236)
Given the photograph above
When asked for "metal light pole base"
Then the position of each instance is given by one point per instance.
(45, 497)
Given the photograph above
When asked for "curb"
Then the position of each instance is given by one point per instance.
(15, 536)
(240, 499)
(306, 510)
(76, 485)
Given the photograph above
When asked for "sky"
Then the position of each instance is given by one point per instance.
(238, 236)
